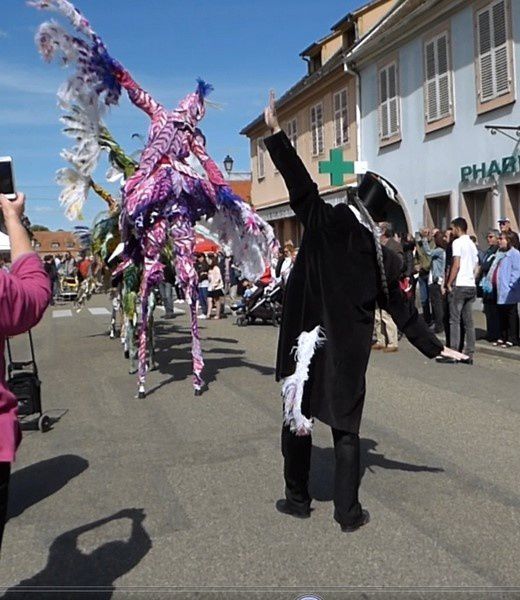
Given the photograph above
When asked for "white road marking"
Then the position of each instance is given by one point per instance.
(98, 311)
(57, 314)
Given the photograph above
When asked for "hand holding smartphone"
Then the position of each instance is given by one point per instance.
(7, 186)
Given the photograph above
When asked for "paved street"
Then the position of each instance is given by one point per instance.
(440, 452)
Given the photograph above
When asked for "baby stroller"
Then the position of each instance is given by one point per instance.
(24, 383)
(68, 288)
(265, 305)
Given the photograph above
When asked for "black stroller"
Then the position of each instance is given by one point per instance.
(266, 306)
(25, 384)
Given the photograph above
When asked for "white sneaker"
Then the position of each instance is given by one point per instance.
(202, 317)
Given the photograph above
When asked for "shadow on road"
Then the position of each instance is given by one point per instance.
(173, 357)
(68, 567)
(34, 483)
(321, 483)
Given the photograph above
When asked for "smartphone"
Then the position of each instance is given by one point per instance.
(7, 187)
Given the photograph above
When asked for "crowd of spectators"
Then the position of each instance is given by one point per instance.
(445, 271)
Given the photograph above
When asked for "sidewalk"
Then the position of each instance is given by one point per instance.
(484, 347)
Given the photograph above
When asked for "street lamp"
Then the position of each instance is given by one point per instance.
(228, 164)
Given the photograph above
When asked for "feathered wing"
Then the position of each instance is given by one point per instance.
(251, 240)
(84, 96)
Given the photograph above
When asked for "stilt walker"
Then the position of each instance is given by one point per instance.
(165, 196)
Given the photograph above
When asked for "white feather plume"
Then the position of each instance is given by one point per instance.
(293, 386)
(75, 191)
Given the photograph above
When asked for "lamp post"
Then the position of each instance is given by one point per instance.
(228, 165)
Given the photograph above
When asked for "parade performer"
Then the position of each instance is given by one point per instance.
(165, 196)
(327, 325)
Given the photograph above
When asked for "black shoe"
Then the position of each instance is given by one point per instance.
(285, 508)
(445, 360)
(363, 520)
(466, 361)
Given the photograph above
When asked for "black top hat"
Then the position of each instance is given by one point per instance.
(377, 194)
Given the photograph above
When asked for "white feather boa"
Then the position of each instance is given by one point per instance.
(292, 387)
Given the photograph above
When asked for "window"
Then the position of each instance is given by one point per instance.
(389, 128)
(438, 79)
(70, 244)
(340, 118)
(292, 133)
(55, 245)
(494, 56)
(260, 158)
(317, 129)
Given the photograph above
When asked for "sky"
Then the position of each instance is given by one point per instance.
(243, 47)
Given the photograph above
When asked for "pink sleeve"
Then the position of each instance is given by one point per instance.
(141, 98)
(24, 295)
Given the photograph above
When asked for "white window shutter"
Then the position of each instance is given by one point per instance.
(494, 52)
(431, 82)
(501, 58)
(443, 77)
(393, 100)
(485, 55)
(383, 106)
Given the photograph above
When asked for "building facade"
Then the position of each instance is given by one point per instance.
(318, 114)
(55, 242)
(436, 77)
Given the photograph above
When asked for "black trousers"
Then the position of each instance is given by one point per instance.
(437, 306)
(5, 472)
(492, 321)
(296, 451)
(508, 315)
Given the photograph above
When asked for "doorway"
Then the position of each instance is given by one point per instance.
(438, 212)
(479, 214)
(512, 205)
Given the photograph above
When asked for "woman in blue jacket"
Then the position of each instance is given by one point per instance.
(506, 274)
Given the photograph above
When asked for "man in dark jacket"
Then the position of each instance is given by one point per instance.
(328, 319)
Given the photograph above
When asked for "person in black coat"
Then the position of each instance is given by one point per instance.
(341, 271)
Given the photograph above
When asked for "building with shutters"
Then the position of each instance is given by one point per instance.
(318, 114)
(434, 77)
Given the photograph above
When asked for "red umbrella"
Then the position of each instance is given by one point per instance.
(203, 245)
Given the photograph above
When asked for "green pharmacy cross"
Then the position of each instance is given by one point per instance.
(336, 166)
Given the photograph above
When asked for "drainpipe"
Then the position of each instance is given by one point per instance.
(350, 68)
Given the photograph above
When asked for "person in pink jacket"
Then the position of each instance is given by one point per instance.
(25, 293)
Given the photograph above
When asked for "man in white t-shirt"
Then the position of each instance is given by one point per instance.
(461, 285)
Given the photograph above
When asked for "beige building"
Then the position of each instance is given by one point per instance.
(318, 114)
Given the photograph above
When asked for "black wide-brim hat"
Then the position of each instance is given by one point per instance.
(377, 195)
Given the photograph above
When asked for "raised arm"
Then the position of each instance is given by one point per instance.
(198, 147)
(24, 292)
(304, 197)
(141, 98)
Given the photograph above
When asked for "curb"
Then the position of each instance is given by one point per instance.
(485, 348)
(511, 354)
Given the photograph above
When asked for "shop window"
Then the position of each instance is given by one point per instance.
(438, 212)
(478, 212)
(512, 208)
